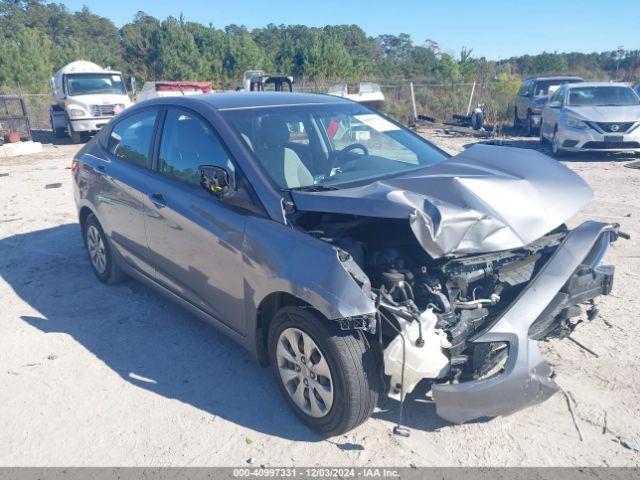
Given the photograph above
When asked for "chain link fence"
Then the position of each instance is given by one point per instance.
(438, 100)
(37, 105)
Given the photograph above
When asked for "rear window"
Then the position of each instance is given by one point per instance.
(545, 87)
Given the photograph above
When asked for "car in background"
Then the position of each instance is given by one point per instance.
(637, 89)
(532, 97)
(172, 89)
(594, 116)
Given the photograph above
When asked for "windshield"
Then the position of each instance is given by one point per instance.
(544, 87)
(90, 83)
(602, 96)
(328, 146)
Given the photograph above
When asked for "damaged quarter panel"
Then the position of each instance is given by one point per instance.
(485, 199)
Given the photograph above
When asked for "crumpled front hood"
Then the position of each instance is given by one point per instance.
(484, 199)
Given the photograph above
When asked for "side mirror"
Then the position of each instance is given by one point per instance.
(216, 180)
(554, 104)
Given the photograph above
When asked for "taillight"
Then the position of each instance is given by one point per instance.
(75, 167)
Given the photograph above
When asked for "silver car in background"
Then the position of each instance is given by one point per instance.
(592, 117)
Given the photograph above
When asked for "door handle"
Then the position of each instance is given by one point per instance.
(158, 200)
(100, 170)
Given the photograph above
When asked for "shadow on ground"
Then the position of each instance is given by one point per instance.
(46, 136)
(147, 340)
(152, 343)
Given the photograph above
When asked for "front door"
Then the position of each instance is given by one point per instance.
(195, 239)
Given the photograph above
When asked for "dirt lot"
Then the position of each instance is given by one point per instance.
(99, 375)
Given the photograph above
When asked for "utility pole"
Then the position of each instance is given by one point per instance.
(619, 53)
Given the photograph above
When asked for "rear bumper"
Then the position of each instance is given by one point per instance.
(526, 377)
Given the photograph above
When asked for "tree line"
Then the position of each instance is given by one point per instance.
(37, 38)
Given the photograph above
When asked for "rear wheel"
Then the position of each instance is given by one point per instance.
(328, 376)
(529, 130)
(99, 251)
(56, 131)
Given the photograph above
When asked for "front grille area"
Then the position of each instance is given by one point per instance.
(611, 145)
(102, 110)
(614, 127)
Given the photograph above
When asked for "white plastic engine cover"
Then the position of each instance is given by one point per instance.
(428, 361)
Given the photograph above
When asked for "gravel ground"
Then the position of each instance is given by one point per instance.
(117, 375)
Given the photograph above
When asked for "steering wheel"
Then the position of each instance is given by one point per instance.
(339, 154)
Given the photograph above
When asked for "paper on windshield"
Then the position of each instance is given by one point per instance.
(376, 122)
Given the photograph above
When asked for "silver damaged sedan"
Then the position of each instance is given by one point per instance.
(353, 256)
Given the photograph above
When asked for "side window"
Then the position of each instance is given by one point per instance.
(130, 138)
(186, 144)
(523, 88)
(531, 88)
(558, 95)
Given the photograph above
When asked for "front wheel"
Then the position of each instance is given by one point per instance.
(76, 137)
(328, 376)
(556, 149)
(543, 139)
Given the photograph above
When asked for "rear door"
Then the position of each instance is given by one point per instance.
(123, 177)
(195, 239)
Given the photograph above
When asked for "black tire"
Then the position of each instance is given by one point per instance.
(354, 371)
(111, 273)
(556, 149)
(543, 140)
(528, 126)
(57, 132)
(76, 137)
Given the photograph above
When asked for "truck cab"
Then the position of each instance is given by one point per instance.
(85, 97)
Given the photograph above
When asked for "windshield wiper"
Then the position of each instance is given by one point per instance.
(314, 188)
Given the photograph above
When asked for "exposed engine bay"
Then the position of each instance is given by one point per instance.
(428, 310)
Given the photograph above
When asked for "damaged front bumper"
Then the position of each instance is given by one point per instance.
(526, 378)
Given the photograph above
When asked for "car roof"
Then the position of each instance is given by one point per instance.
(597, 84)
(558, 77)
(234, 100)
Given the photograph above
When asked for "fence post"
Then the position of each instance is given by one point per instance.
(413, 102)
(473, 89)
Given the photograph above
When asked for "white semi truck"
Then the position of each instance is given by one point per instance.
(86, 96)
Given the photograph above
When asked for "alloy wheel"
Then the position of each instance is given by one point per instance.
(304, 372)
(97, 252)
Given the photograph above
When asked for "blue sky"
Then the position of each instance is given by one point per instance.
(493, 28)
